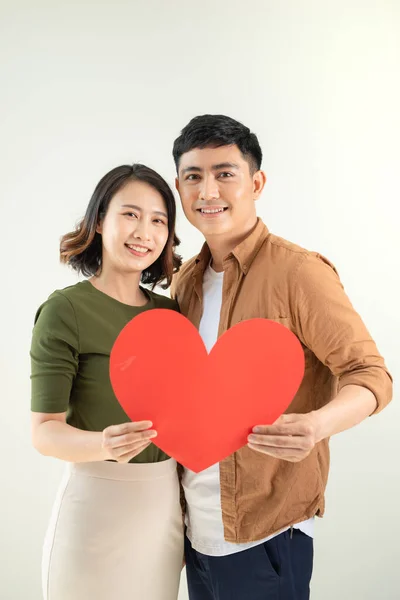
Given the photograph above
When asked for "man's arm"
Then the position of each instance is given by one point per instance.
(293, 436)
(326, 322)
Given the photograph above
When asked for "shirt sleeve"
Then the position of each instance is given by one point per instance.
(54, 355)
(329, 326)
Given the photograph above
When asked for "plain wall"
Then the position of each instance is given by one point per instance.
(88, 86)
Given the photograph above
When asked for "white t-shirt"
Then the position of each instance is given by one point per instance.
(204, 522)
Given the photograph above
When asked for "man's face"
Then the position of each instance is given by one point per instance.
(218, 190)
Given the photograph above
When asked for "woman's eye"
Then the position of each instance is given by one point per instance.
(131, 214)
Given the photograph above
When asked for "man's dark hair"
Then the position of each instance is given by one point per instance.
(213, 131)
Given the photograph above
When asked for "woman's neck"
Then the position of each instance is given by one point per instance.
(120, 286)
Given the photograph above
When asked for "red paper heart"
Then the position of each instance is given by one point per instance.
(202, 405)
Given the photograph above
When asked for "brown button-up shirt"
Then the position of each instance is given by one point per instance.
(269, 277)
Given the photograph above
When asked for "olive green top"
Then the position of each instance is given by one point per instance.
(73, 335)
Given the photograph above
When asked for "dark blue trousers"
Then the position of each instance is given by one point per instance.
(279, 569)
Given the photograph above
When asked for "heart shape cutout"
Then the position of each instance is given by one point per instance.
(202, 405)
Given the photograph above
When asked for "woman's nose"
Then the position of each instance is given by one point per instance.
(142, 230)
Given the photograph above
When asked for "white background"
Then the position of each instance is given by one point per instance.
(86, 88)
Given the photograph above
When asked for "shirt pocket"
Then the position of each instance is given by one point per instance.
(287, 322)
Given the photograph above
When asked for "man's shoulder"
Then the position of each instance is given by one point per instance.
(183, 275)
(285, 252)
(188, 266)
(285, 247)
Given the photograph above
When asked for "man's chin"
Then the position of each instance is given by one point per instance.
(212, 228)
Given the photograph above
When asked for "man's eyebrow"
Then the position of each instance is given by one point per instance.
(192, 168)
(224, 165)
(218, 167)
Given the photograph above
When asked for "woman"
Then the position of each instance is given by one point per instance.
(116, 528)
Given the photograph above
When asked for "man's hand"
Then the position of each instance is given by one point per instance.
(291, 437)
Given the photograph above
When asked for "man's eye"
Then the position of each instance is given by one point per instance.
(192, 177)
(225, 174)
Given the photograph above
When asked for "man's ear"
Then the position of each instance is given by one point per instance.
(259, 181)
(177, 184)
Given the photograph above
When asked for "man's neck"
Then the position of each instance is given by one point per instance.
(220, 246)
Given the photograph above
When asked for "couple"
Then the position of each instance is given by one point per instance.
(116, 529)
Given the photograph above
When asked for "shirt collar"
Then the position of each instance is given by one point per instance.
(245, 252)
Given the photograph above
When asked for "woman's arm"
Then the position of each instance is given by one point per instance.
(52, 436)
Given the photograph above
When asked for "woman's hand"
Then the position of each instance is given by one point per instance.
(124, 442)
(52, 436)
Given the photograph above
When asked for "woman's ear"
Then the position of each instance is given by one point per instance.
(99, 227)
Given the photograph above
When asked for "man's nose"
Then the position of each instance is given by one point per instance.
(209, 189)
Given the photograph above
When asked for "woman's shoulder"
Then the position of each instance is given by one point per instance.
(161, 301)
(61, 302)
(67, 295)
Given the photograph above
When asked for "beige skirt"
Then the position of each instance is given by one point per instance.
(115, 533)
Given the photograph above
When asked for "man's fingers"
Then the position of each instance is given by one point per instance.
(290, 454)
(295, 428)
(282, 441)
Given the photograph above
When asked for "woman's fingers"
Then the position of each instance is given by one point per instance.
(125, 458)
(127, 439)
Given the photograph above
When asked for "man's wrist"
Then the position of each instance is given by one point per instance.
(320, 429)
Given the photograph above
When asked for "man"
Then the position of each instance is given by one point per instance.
(250, 518)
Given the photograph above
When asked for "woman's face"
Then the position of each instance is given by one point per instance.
(135, 228)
